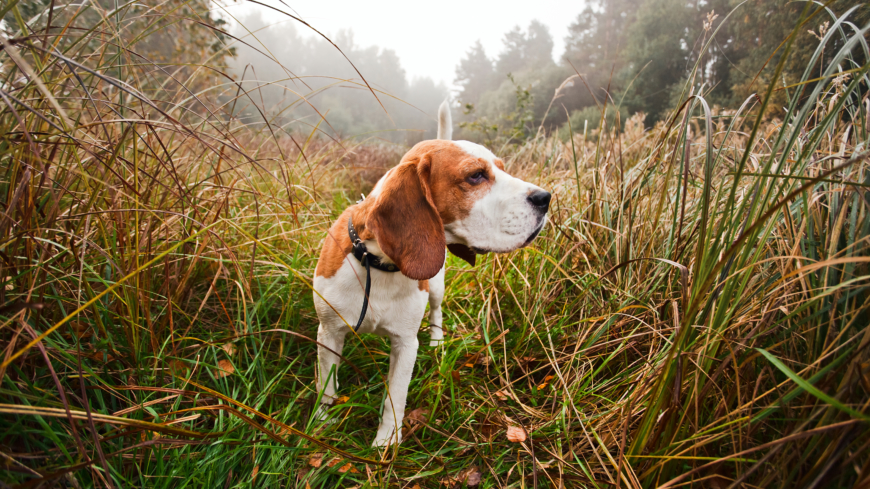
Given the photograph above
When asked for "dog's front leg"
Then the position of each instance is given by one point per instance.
(403, 355)
(327, 363)
(436, 319)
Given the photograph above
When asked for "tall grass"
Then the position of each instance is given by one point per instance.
(696, 312)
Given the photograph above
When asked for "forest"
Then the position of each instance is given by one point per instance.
(611, 45)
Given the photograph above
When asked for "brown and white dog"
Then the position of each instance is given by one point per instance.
(443, 194)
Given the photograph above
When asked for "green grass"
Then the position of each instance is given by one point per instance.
(696, 311)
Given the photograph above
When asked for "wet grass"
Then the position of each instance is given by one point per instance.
(696, 312)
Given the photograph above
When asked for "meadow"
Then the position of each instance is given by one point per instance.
(695, 312)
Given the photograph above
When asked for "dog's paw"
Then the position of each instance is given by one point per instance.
(434, 343)
(322, 415)
(386, 438)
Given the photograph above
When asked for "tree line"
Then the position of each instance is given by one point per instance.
(638, 55)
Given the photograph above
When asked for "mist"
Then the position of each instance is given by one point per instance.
(361, 91)
(633, 56)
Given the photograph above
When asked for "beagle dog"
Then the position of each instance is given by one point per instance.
(443, 194)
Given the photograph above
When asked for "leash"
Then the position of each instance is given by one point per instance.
(361, 253)
(366, 259)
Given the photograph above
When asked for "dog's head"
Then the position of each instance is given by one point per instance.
(452, 193)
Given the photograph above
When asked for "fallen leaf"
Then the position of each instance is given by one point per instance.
(348, 466)
(177, 367)
(547, 380)
(417, 415)
(471, 359)
(143, 436)
(504, 395)
(340, 400)
(415, 486)
(333, 462)
(315, 460)
(80, 329)
(255, 472)
(449, 481)
(516, 434)
(455, 375)
(471, 476)
(225, 367)
(286, 432)
(229, 348)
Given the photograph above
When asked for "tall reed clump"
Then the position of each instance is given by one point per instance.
(696, 312)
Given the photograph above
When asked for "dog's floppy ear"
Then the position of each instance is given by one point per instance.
(463, 252)
(406, 223)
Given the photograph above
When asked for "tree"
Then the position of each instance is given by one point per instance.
(597, 37)
(761, 25)
(532, 49)
(595, 46)
(539, 46)
(665, 43)
(474, 74)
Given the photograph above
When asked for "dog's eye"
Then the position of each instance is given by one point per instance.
(476, 178)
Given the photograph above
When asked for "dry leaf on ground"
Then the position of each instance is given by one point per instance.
(82, 330)
(471, 476)
(504, 395)
(177, 367)
(229, 348)
(417, 415)
(315, 460)
(546, 381)
(225, 367)
(516, 434)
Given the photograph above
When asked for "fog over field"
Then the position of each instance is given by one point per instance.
(518, 72)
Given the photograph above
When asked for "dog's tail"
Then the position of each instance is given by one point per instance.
(445, 123)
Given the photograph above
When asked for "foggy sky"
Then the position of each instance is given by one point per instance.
(429, 37)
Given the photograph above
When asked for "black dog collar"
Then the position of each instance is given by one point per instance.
(362, 253)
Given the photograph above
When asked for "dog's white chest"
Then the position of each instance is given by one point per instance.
(396, 303)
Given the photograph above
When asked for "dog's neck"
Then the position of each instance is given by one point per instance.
(359, 214)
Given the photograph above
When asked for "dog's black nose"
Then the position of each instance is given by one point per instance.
(540, 199)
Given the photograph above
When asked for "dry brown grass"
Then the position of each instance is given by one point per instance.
(695, 313)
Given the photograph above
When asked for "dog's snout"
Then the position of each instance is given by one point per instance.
(540, 199)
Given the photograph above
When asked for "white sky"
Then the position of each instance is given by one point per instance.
(429, 37)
